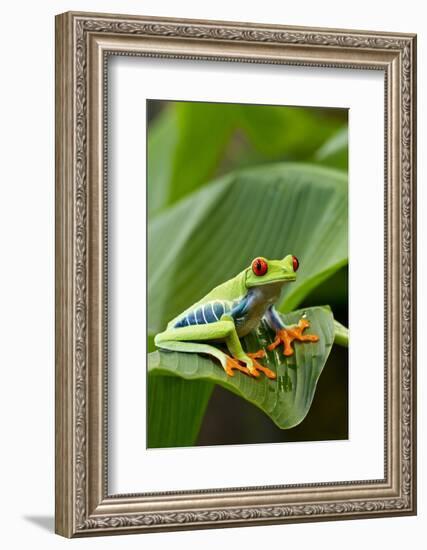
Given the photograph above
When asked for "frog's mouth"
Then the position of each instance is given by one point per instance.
(280, 280)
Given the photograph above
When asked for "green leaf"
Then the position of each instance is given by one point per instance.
(184, 147)
(285, 400)
(162, 142)
(175, 408)
(215, 233)
(341, 334)
(334, 152)
(333, 291)
(190, 142)
(288, 132)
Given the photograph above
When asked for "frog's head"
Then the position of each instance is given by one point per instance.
(263, 272)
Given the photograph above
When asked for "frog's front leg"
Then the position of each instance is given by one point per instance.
(249, 359)
(196, 339)
(287, 334)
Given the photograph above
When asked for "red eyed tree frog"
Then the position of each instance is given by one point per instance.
(234, 309)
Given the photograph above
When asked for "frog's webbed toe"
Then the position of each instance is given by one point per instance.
(258, 367)
(251, 368)
(287, 335)
(232, 363)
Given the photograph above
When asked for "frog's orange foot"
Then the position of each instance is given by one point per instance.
(287, 335)
(258, 367)
(232, 363)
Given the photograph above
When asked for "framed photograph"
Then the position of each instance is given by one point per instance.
(235, 274)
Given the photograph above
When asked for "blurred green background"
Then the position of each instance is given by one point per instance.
(190, 145)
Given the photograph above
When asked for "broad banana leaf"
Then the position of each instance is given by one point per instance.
(286, 400)
(191, 142)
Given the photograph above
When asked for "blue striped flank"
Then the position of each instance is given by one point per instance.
(210, 312)
(218, 309)
(200, 319)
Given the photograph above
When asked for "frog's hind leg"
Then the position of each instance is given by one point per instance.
(187, 339)
(227, 363)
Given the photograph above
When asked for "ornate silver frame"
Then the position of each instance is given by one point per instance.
(83, 42)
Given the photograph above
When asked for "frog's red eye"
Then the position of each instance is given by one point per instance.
(259, 266)
(295, 263)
